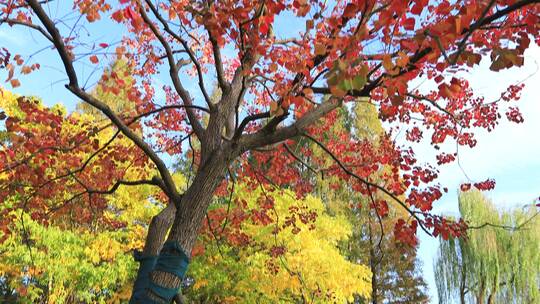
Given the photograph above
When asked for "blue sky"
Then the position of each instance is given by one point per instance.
(509, 154)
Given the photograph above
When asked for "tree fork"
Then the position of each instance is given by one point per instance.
(188, 216)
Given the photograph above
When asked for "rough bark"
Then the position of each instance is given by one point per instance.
(192, 209)
(157, 231)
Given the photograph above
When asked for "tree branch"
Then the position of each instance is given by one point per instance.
(367, 183)
(73, 86)
(153, 181)
(30, 25)
(264, 137)
(247, 120)
(173, 72)
(218, 63)
(182, 41)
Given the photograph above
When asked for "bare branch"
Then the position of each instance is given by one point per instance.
(30, 25)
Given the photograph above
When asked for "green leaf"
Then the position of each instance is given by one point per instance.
(358, 82)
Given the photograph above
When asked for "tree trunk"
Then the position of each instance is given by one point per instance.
(196, 200)
(157, 231)
(187, 221)
(373, 266)
(492, 294)
(463, 283)
(481, 292)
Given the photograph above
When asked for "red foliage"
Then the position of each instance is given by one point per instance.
(282, 85)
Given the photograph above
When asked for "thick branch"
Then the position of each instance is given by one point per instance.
(264, 138)
(220, 73)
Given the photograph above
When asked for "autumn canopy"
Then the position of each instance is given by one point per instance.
(249, 92)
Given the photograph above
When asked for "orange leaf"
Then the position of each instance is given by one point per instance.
(309, 24)
(118, 16)
(458, 25)
(26, 69)
(337, 91)
(273, 107)
(320, 49)
(15, 83)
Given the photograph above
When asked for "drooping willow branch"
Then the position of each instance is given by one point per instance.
(506, 227)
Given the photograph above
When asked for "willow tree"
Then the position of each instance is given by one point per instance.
(498, 261)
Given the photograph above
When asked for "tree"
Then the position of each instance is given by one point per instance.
(266, 259)
(395, 276)
(81, 253)
(273, 89)
(112, 90)
(498, 262)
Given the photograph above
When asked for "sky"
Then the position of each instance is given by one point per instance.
(509, 154)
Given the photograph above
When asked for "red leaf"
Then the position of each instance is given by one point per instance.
(408, 24)
(94, 59)
(350, 10)
(118, 16)
(465, 187)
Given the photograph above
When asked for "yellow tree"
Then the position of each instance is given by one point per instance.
(74, 250)
(275, 256)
